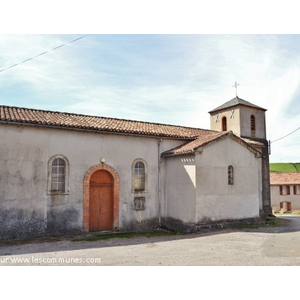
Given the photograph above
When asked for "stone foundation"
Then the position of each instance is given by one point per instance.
(183, 227)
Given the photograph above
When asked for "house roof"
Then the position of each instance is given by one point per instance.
(234, 102)
(36, 117)
(202, 141)
(284, 178)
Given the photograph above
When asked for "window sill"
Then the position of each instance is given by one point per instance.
(57, 193)
(139, 191)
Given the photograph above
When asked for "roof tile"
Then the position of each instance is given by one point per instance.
(234, 102)
(284, 178)
(190, 147)
(10, 114)
(201, 141)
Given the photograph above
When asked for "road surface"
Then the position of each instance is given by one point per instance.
(276, 246)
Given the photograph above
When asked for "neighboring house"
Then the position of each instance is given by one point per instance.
(64, 173)
(285, 191)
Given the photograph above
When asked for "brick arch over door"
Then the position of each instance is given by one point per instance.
(86, 194)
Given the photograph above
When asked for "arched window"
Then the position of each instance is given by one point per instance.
(58, 172)
(230, 175)
(58, 175)
(252, 120)
(224, 124)
(139, 176)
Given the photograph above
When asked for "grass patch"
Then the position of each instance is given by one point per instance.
(284, 167)
(250, 226)
(272, 222)
(275, 222)
(124, 235)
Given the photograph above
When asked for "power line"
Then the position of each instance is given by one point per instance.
(285, 135)
(43, 53)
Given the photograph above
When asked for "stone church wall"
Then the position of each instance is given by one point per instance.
(216, 199)
(27, 208)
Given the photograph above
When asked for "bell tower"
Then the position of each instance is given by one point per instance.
(247, 121)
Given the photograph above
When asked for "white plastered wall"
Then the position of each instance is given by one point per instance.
(180, 188)
(26, 150)
(216, 200)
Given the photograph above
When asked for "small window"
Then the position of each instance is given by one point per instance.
(296, 189)
(58, 171)
(230, 175)
(284, 190)
(224, 124)
(139, 176)
(252, 120)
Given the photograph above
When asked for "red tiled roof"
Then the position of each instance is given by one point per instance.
(190, 147)
(20, 115)
(284, 178)
(202, 141)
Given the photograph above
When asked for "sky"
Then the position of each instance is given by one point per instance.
(171, 78)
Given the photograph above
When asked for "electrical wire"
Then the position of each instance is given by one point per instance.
(77, 39)
(43, 53)
(285, 135)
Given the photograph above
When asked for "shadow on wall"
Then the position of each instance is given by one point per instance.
(19, 224)
(63, 222)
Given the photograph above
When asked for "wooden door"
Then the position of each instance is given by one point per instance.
(101, 201)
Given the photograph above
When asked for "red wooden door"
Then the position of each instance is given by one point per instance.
(101, 201)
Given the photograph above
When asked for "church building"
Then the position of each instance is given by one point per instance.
(65, 173)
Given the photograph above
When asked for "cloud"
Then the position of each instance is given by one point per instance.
(173, 79)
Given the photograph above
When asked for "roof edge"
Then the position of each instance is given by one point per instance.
(86, 129)
(218, 138)
(102, 117)
(238, 102)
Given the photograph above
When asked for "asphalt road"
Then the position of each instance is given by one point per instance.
(270, 246)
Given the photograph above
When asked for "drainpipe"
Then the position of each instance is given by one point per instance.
(159, 182)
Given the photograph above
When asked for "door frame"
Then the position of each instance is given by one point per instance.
(86, 194)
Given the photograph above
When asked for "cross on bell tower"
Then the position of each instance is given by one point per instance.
(235, 86)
